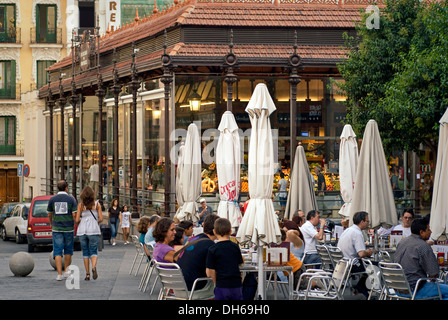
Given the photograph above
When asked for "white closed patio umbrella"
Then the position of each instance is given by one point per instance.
(190, 178)
(439, 205)
(228, 169)
(373, 190)
(348, 164)
(259, 224)
(301, 188)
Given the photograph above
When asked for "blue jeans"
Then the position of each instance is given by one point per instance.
(312, 258)
(63, 243)
(114, 228)
(283, 201)
(89, 245)
(430, 290)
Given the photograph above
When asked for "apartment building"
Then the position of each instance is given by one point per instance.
(34, 34)
(32, 37)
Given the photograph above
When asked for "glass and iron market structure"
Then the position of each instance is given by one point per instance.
(125, 99)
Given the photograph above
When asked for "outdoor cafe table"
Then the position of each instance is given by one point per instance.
(270, 268)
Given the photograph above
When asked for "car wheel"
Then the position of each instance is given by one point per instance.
(19, 238)
(3, 234)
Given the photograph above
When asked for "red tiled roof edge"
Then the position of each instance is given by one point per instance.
(191, 12)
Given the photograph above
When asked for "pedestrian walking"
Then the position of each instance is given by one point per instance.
(61, 213)
(114, 219)
(88, 217)
(125, 223)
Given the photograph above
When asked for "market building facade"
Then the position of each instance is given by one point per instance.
(118, 106)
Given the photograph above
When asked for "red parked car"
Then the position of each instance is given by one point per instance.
(39, 230)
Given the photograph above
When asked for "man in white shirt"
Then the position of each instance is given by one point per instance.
(353, 246)
(312, 236)
(352, 242)
(406, 221)
(404, 226)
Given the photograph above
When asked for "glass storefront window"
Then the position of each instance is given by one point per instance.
(150, 147)
(318, 120)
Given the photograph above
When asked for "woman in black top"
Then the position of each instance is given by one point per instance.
(114, 219)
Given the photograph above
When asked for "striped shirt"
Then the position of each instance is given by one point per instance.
(417, 259)
(62, 207)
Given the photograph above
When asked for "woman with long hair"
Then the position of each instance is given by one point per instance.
(88, 217)
(114, 219)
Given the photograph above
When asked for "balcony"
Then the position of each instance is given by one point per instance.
(17, 149)
(10, 91)
(53, 35)
(12, 36)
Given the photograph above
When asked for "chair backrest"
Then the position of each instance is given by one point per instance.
(172, 280)
(335, 254)
(341, 272)
(150, 248)
(373, 275)
(395, 280)
(135, 239)
(385, 256)
(327, 262)
(137, 243)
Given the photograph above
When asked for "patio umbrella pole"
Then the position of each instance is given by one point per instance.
(261, 294)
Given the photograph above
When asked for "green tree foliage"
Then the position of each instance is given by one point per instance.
(396, 74)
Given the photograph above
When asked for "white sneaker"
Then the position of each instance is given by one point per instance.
(59, 277)
(67, 274)
(113, 243)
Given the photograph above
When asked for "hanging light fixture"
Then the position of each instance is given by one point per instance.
(195, 101)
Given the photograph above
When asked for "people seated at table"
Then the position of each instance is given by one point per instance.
(312, 236)
(193, 258)
(417, 259)
(164, 233)
(353, 246)
(405, 226)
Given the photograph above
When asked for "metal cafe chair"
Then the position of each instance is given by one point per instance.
(321, 284)
(336, 255)
(373, 282)
(146, 277)
(385, 256)
(327, 261)
(139, 254)
(173, 283)
(396, 285)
